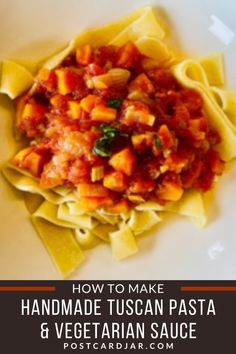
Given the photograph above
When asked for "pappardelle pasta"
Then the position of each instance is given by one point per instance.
(117, 131)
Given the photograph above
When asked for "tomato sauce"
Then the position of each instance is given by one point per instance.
(117, 130)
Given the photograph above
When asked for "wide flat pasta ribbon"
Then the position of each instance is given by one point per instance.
(191, 74)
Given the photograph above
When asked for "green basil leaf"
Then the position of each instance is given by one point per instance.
(102, 147)
(109, 132)
(157, 141)
(114, 103)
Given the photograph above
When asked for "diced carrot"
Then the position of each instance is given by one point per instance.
(115, 181)
(120, 207)
(84, 55)
(29, 160)
(165, 136)
(93, 203)
(33, 110)
(103, 114)
(47, 79)
(66, 81)
(89, 102)
(198, 124)
(123, 161)
(74, 109)
(19, 157)
(33, 162)
(169, 191)
(92, 190)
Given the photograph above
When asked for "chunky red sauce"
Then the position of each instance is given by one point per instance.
(118, 128)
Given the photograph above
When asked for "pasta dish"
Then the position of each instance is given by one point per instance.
(117, 129)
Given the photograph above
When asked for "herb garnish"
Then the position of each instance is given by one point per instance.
(114, 103)
(103, 146)
(157, 141)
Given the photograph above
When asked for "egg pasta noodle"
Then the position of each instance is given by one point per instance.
(63, 226)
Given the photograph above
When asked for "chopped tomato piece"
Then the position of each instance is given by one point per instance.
(215, 162)
(120, 207)
(205, 181)
(214, 137)
(192, 100)
(89, 102)
(67, 80)
(162, 79)
(84, 55)
(59, 102)
(127, 55)
(103, 114)
(166, 137)
(140, 186)
(92, 190)
(124, 161)
(142, 82)
(181, 114)
(191, 175)
(78, 172)
(116, 181)
(94, 70)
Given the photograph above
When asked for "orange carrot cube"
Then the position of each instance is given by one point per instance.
(89, 102)
(66, 81)
(92, 190)
(169, 191)
(120, 207)
(93, 203)
(33, 110)
(19, 157)
(103, 114)
(84, 55)
(115, 181)
(74, 109)
(123, 161)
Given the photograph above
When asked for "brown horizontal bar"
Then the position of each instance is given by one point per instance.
(208, 288)
(28, 288)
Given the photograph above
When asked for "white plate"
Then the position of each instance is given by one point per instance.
(176, 250)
